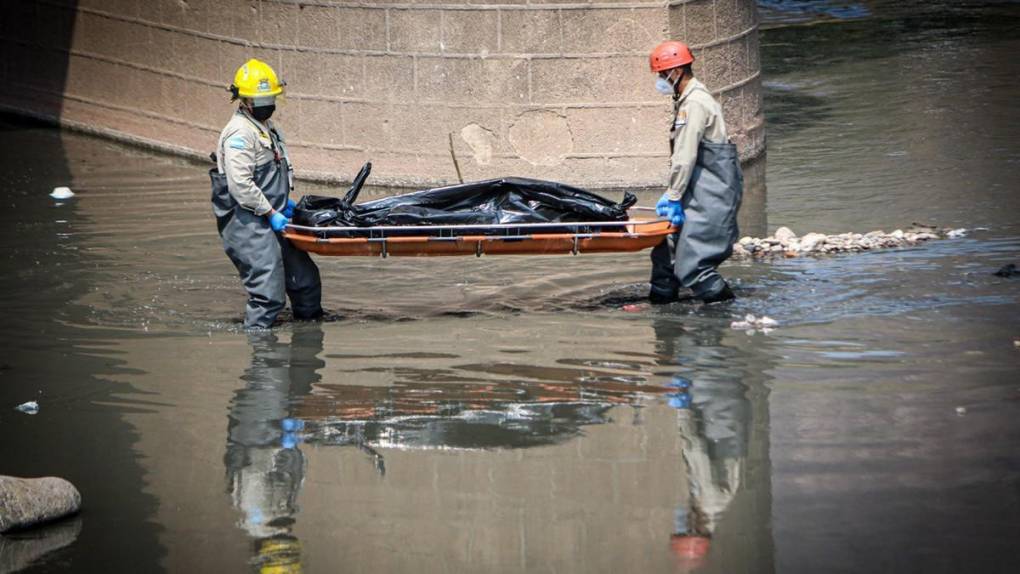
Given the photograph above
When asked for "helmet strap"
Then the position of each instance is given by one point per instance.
(677, 84)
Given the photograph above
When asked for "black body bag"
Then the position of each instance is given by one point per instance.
(507, 200)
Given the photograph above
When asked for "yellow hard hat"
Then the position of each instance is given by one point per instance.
(256, 79)
(279, 556)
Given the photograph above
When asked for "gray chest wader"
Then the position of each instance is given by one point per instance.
(711, 201)
(270, 267)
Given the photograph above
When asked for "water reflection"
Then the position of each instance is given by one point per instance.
(470, 406)
(777, 12)
(715, 419)
(441, 404)
(265, 467)
(21, 549)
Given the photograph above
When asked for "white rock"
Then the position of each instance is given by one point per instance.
(768, 322)
(961, 410)
(29, 408)
(898, 234)
(740, 251)
(811, 240)
(746, 240)
(954, 233)
(61, 193)
(741, 325)
(785, 235)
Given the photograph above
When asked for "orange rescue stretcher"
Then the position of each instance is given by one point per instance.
(634, 234)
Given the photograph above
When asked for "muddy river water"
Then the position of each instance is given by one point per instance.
(508, 414)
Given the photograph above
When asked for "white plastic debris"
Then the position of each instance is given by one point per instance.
(752, 323)
(29, 408)
(961, 410)
(954, 233)
(61, 193)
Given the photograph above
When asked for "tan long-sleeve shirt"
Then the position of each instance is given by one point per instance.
(244, 145)
(696, 117)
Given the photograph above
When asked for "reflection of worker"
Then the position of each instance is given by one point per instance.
(713, 430)
(251, 185)
(713, 415)
(705, 185)
(265, 468)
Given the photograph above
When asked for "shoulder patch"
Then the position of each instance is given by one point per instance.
(237, 142)
(681, 119)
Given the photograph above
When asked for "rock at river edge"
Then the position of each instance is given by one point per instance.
(26, 502)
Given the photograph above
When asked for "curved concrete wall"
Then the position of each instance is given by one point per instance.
(557, 90)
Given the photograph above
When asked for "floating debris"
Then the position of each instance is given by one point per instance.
(752, 323)
(61, 193)
(1007, 271)
(786, 243)
(961, 410)
(29, 408)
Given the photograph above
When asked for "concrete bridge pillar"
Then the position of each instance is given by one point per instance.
(548, 89)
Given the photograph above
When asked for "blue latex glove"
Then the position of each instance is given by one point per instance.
(288, 211)
(670, 209)
(278, 221)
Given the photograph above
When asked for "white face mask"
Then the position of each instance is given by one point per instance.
(664, 86)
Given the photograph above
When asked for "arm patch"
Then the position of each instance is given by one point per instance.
(237, 142)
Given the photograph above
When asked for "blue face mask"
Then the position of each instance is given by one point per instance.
(664, 86)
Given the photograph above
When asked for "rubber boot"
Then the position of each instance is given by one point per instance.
(718, 296)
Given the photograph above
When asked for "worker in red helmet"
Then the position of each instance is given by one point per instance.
(705, 185)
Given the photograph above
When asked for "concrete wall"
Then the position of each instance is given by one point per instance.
(549, 89)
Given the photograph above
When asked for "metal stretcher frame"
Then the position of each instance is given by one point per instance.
(519, 239)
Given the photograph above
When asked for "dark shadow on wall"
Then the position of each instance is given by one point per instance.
(35, 42)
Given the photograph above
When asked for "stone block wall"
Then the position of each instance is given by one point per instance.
(547, 89)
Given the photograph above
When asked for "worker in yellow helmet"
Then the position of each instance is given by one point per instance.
(251, 184)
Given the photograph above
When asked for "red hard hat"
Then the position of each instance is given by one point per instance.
(689, 547)
(670, 54)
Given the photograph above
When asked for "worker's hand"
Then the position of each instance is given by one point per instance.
(278, 221)
(670, 209)
(288, 211)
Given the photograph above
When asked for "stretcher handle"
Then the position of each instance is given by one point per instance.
(359, 180)
(479, 226)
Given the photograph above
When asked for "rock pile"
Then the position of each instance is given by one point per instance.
(785, 243)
